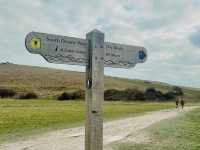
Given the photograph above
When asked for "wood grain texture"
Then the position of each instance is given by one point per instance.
(94, 92)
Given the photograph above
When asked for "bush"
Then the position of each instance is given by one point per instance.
(140, 96)
(151, 93)
(170, 95)
(178, 91)
(160, 96)
(133, 94)
(127, 94)
(151, 90)
(79, 94)
(113, 95)
(30, 95)
(156, 95)
(5, 93)
(64, 96)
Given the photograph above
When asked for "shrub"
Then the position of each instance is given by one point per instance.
(155, 95)
(160, 96)
(140, 96)
(113, 94)
(64, 96)
(170, 95)
(151, 94)
(79, 94)
(151, 90)
(132, 94)
(4, 93)
(178, 90)
(30, 95)
(127, 94)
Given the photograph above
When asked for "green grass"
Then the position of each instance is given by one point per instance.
(181, 133)
(25, 117)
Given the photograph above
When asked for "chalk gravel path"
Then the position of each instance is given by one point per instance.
(114, 131)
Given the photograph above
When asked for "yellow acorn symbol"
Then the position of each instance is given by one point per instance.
(35, 43)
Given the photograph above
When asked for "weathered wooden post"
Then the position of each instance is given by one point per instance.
(94, 91)
(93, 53)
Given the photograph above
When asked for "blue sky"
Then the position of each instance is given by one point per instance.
(169, 29)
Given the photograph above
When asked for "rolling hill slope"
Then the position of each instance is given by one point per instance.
(50, 82)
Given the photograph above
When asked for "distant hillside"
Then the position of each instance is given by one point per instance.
(50, 82)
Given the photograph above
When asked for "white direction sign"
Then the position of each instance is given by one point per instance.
(74, 51)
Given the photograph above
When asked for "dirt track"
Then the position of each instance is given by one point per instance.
(73, 139)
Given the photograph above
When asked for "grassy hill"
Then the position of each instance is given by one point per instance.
(48, 82)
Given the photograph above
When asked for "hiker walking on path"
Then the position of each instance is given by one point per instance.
(177, 102)
(182, 103)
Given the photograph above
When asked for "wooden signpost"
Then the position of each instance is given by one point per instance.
(95, 54)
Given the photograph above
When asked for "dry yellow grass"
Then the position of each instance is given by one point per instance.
(50, 82)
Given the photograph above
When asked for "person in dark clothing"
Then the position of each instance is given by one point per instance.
(177, 102)
(182, 103)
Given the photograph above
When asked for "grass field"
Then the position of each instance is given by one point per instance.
(181, 133)
(25, 117)
(19, 117)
